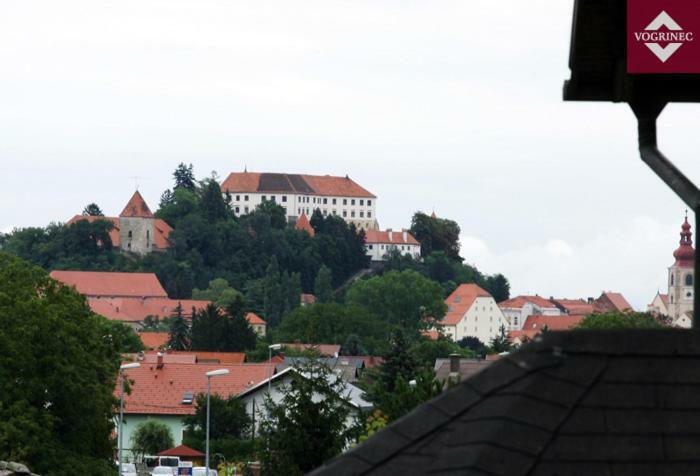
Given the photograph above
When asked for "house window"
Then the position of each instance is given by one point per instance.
(284, 198)
(264, 198)
(352, 214)
(369, 214)
(245, 198)
(238, 210)
(130, 234)
(325, 201)
(345, 201)
(362, 202)
(370, 247)
(369, 203)
(345, 213)
(688, 279)
(334, 201)
(352, 202)
(362, 214)
(246, 209)
(334, 212)
(272, 198)
(238, 198)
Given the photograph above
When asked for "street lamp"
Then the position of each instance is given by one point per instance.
(270, 349)
(213, 373)
(122, 368)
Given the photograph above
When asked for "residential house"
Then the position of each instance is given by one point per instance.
(535, 325)
(136, 229)
(379, 244)
(307, 299)
(126, 297)
(519, 308)
(472, 312)
(455, 369)
(324, 350)
(254, 397)
(659, 305)
(301, 194)
(166, 391)
(611, 302)
(257, 323)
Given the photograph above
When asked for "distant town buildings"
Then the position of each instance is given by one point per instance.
(517, 309)
(472, 312)
(677, 305)
(136, 229)
(302, 194)
(379, 244)
(133, 297)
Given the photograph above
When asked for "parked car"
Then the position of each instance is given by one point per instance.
(129, 469)
(160, 470)
(202, 471)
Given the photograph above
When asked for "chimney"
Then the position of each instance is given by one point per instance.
(590, 300)
(391, 234)
(160, 364)
(454, 368)
(405, 235)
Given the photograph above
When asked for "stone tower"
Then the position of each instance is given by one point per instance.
(136, 226)
(682, 275)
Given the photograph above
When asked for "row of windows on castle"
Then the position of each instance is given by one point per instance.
(393, 247)
(688, 280)
(318, 200)
(324, 211)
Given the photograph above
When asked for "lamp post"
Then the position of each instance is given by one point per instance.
(122, 368)
(213, 373)
(269, 380)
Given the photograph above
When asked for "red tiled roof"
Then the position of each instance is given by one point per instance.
(431, 334)
(195, 357)
(255, 320)
(160, 391)
(327, 350)
(160, 237)
(553, 323)
(574, 306)
(154, 340)
(308, 298)
(220, 357)
(519, 301)
(136, 207)
(241, 182)
(303, 224)
(619, 303)
(459, 302)
(136, 310)
(97, 283)
(169, 358)
(182, 451)
(375, 236)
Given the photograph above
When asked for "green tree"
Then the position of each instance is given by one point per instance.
(426, 351)
(228, 420)
(209, 328)
(498, 286)
(212, 205)
(123, 337)
(402, 298)
(179, 338)
(474, 344)
(436, 234)
(620, 320)
(308, 425)
(151, 437)
(52, 349)
(323, 285)
(184, 177)
(274, 299)
(93, 210)
(407, 395)
(240, 336)
(500, 343)
(353, 346)
(219, 292)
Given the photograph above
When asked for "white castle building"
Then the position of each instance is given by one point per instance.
(297, 194)
(678, 303)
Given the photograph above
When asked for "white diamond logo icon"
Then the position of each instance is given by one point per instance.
(663, 53)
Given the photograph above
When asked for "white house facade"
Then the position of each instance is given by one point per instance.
(516, 310)
(472, 312)
(379, 244)
(297, 194)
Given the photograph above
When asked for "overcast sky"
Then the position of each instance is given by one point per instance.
(447, 105)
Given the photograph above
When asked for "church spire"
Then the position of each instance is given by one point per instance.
(685, 254)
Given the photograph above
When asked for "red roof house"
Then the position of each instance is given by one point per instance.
(154, 340)
(325, 185)
(183, 452)
(112, 285)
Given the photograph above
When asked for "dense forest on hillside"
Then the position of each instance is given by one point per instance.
(258, 254)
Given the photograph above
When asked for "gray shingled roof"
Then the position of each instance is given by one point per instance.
(572, 403)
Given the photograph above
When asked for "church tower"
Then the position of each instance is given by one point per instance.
(681, 275)
(136, 226)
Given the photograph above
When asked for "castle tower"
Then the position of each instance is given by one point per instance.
(681, 275)
(136, 226)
